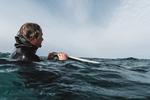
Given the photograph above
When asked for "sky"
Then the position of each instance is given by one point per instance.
(82, 28)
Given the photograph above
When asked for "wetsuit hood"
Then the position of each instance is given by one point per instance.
(21, 42)
(25, 51)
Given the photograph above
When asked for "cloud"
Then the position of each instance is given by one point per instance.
(74, 31)
(13, 14)
(128, 31)
(96, 28)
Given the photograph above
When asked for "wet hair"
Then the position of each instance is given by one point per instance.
(30, 30)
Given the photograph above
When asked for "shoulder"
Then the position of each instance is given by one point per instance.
(22, 56)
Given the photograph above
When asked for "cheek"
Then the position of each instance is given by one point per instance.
(40, 42)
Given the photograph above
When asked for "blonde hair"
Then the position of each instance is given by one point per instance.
(30, 30)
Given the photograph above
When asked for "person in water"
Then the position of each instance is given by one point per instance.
(28, 40)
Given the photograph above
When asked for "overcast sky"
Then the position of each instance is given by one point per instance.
(87, 28)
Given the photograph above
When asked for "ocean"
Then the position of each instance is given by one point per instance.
(112, 79)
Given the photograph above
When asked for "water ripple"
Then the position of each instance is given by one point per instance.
(112, 79)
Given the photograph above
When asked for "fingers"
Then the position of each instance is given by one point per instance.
(52, 55)
(59, 55)
(62, 56)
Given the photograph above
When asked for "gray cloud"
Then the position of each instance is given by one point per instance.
(111, 29)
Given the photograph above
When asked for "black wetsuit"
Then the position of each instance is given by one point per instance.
(25, 51)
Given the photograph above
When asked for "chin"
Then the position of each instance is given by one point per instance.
(40, 46)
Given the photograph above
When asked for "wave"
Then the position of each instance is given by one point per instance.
(112, 79)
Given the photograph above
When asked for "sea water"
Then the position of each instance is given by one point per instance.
(112, 79)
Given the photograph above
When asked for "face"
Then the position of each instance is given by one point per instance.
(37, 41)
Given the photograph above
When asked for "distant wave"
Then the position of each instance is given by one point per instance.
(129, 58)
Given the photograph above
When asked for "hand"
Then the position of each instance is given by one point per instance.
(62, 56)
(57, 56)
